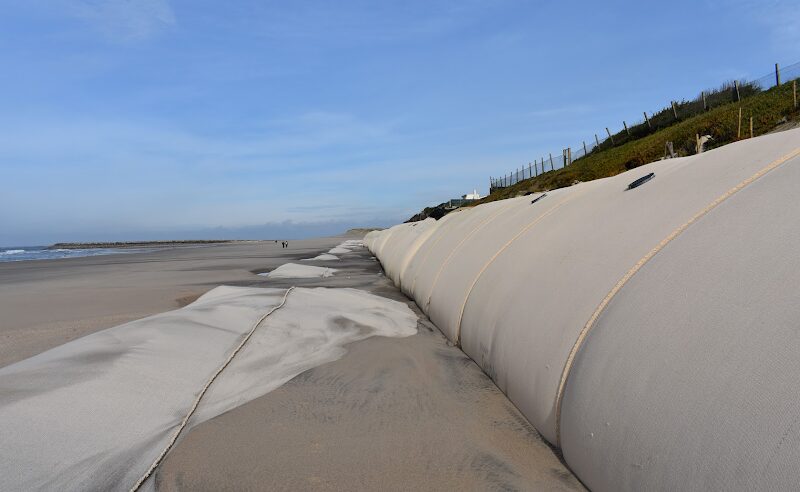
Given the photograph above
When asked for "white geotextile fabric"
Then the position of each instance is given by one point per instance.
(691, 378)
(294, 270)
(322, 257)
(94, 413)
(347, 247)
(405, 246)
(528, 277)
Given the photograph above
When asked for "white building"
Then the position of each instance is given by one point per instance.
(472, 196)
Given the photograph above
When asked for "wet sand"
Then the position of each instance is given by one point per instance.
(392, 413)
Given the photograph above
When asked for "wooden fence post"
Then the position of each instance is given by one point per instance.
(751, 127)
(569, 154)
(626, 128)
(739, 126)
(777, 75)
(705, 105)
(551, 161)
(609, 136)
(794, 92)
(596, 140)
(529, 169)
(647, 120)
(542, 165)
(674, 110)
(584, 148)
(736, 88)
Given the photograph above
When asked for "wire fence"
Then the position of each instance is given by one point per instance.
(732, 91)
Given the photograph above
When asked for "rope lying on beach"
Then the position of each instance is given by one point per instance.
(191, 411)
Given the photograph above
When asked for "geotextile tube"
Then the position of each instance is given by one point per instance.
(648, 331)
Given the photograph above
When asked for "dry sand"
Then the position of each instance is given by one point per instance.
(393, 413)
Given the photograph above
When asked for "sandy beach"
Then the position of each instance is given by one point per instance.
(390, 413)
(49, 302)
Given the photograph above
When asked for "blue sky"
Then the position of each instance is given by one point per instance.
(176, 118)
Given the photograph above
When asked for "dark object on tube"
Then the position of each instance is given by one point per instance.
(539, 198)
(641, 181)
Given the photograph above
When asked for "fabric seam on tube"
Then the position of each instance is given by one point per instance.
(203, 391)
(427, 253)
(457, 341)
(403, 266)
(480, 225)
(389, 233)
(604, 303)
(407, 260)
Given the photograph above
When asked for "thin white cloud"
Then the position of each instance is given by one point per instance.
(780, 17)
(364, 20)
(125, 20)
(562, 110)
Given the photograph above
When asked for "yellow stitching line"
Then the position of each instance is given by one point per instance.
(480, 225)
(410, 256)
(389, 233)
(589, 324)
(457, 341)
(427, 253)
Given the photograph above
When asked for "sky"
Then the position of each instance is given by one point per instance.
(160, 119)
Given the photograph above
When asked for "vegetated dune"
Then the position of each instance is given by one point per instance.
(650, 333)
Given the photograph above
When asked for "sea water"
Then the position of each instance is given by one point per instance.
(21, 253)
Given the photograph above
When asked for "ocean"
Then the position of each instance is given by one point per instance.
(23, 253)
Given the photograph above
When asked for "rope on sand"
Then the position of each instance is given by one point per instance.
(189, 414)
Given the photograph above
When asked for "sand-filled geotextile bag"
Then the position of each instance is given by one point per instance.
(648, 332)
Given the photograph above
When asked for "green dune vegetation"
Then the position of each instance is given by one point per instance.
(769, 110)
